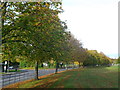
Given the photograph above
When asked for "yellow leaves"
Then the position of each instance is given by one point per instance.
(1, 5)
(51, 61)
(76, 63)
(3, 17)
(47, 4)
(34, 7)
(18, 60)
(47, 32)
(49, 21)
(37, 23)
(25, 14)
(39, 8)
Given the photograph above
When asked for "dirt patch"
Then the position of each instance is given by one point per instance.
(47, 82)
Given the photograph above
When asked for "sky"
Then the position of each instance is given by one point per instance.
(94, 23)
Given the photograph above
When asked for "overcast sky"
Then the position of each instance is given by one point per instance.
(94, 22)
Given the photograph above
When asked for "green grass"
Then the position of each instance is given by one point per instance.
(38, 68)
(8, 72)
(99, 77)
(2, 73)
(89, 78)
(14, 70)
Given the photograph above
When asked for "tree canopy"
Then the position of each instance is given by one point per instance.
(33, 31)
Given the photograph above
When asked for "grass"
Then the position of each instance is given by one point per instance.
(8, 72)
(14, 70)
(99, 77)
(2, 73)
(38, 68)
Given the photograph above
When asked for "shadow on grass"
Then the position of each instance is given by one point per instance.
(41, 81)
(93, 77)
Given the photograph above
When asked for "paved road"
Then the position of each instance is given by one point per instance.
(7, 79)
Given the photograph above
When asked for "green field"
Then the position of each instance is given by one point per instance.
(99, 77)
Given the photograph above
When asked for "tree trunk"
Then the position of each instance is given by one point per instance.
(2, 68)
(56, 67)
(36, 70)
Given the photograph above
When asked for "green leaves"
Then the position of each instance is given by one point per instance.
(34, 31)
(95, 58)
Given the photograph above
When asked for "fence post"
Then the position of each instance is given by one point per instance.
(9, 78)
(3, 80)
(19, 76)
(14, 77)
(27, 75)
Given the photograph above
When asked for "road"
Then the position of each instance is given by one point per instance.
(7, 79)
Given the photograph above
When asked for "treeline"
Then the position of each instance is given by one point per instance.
(91, 58)
(97, 59)
(32, 32)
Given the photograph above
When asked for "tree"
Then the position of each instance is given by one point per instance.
(77, 52)
(95, 58)
(34, 31)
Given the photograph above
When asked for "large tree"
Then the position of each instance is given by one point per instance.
(34, 30)
(77, 52)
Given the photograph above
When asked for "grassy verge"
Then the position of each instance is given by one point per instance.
(99, 77)
(14, 70)
(2, 73)
(38, 68)
(8, 72)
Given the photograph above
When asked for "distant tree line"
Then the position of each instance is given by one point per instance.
(94, 58)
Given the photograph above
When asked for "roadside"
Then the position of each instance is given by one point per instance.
(100, 77)
(15, 77)
(13, 72)
(32, 68)
(15, 85)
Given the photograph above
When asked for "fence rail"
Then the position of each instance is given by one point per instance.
(21, 76)
(13, 78)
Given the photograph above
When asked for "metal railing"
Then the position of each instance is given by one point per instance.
(21, 76)
(13, 78)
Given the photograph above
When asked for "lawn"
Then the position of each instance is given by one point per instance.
(99, 77)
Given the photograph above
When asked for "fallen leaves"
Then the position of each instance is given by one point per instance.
(50, 80)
